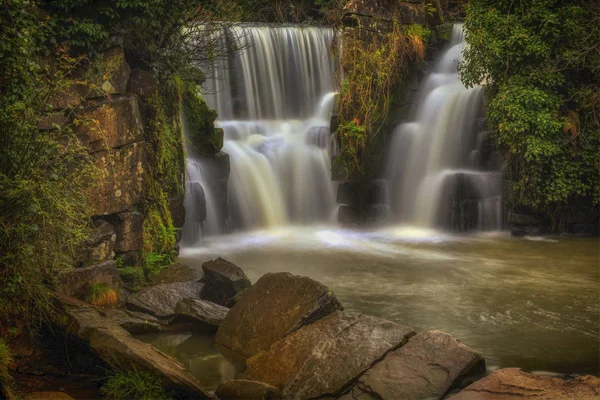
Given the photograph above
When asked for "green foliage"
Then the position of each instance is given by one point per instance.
(129, 385)
(6, 380)
(100, 294)
(540, 62)
(133, 277)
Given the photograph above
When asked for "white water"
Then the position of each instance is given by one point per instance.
(274, 102)
(429, 153)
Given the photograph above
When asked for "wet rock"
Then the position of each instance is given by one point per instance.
(177, 209)
(47, 396)
(160, 300)
(142, 83)
(204, 312)
(52, 121)
(241, 389)
(121, 179)
(348, 193)
(72, 282)
(177, 272)
(322, 358)
(134, 322)
(129, 232)
(114, 74)
(427, 367)
(275, 306)
(109, 123)
(100, 245)
(512, 383)
(115, 346)
(223, 280)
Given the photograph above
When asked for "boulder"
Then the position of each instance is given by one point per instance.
(275, 306)
(160, 300)
(204, 312)
(512, 383)
(72, 282)
(134, 322)
(142, 83)
(176, 272)
(115, 346)
(121, 179)
(427, 367)
(223, 280)
(348, 193)
(322, 358)
(129, 232)
(241, 389)
(109, 123)
(100, 245)
(53, 121)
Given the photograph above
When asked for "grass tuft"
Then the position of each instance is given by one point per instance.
(100, 294)
(127, 385)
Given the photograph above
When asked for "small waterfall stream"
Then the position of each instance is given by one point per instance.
(433, 163)
(274, 102)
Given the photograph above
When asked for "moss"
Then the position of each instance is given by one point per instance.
(133, 277)
(126, 385)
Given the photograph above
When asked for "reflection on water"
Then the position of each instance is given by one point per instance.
(196, 353)
(523, 303)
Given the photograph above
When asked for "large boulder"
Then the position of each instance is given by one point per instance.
(427, 367)
(116, 347)
(100, 244)
(512, 383)
(121, 179)
(203, 312)
(275, 306)
(160, 300)
(129, 231)
(109, 123)
(176, 272)
(241, 389)
(142, 83)
(223, 280)
(73, 282)
(322, 358)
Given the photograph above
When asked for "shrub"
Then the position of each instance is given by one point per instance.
(133, 385)
(100, 294)
(6, 381)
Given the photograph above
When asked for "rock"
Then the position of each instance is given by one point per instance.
(100, 245)
(109, 123)
(72, 282)
(160, 300)
(205, 312)
(240, 389)
(121, 179)
(348, 193)
(114, 71)
(427, 367)
(380, 15)
(177, 209)
(142, 83)
(177, 273)
(275, 306)
(134, 322)
(52, 121)
(322, 358)
(347, 215)
(223, 280)
(512, 383)
(115, 346)
(129, 232)
(47, 396)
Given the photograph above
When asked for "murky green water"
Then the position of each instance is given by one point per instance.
(529, 303)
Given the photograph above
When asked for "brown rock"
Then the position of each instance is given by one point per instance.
(275, 306)
(134, 322)
(223, 280)
(512, 383)
(201, 311)
(241, 389)
(109, 123)
(177, 272)
(72, 282)
(142, 83)
(323, 357)
(129, 232)
(427, 367)
(160, 300)
(100, 245)
(121, 179)
(52, 121)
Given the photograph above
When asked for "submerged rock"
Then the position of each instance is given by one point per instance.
(325, 356)
(202, 311)
(427, 367)
(223, 280)
(512, 383)
(241, 389)
(275, 306)
(160, 300)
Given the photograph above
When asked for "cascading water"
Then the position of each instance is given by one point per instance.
(274, 102)
(433, 164)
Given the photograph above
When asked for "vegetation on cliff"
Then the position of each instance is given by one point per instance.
(540, 62)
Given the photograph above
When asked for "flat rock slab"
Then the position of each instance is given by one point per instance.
(115, 346)
(325, 356)
(202, 311)
(134, 322)
(160, 300)
(72, 282)
(512, 384)
(241, 389)
(223, 280)
(427, 367)
(177, 272)
(275, 306)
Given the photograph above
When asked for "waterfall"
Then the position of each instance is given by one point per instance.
(433, 163)
(274, 101)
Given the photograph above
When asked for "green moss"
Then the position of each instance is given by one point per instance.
(133, 277)
(199, 118)
(126, 385)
